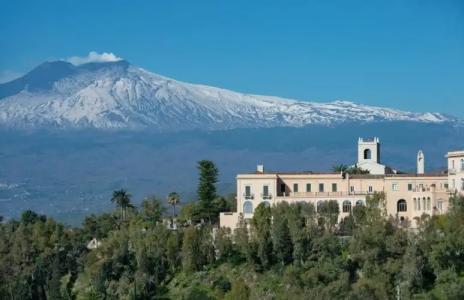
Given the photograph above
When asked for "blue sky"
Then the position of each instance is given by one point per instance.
(405, 54)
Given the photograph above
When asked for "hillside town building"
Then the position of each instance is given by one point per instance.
(408, 196)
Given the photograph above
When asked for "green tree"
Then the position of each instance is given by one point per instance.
(223, 244)
(280, 233)
(340, 168)
(262, 226)
(191, 252)
(328, 212)
(122, 199)
(152, 210)
(30, 217)
(239, 291)
(207, 189)
(356, 170)
(173, 251)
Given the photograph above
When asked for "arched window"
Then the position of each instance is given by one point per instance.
(346, 206)
(424, 207)
(359, 203)
(428, 203)
(367, 154)
(401, 205)
(248, 207)
(266, 203)
(462, 164)
(415, 204)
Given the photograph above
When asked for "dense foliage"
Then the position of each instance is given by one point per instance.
(288, 251)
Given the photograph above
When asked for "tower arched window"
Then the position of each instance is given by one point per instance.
(367, 154)
(401, 205)
(248, 207)
(346, 206)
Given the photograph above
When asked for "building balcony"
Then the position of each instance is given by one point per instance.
(249, 196)
(322, 194)
(452, 171)
(266, 196)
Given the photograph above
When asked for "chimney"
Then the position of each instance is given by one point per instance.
(260, 168)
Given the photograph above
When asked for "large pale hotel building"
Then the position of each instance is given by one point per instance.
(407, 195)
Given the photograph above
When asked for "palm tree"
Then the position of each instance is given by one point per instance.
(173, 199)
(357, 170)
(122, 199)
(340, 168)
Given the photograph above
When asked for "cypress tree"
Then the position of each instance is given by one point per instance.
(207, 189)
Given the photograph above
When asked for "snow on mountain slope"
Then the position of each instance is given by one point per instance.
(117, 95)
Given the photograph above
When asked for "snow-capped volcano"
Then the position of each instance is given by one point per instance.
(118, 95)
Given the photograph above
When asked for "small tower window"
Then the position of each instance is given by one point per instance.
(367, 154)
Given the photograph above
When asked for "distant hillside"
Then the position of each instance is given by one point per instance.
(69, 174)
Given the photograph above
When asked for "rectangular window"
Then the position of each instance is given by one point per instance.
(321, 187)
(440, 205)
(370, 189)
(334, 187)
(265, 190)
(247, 191)
(295, 187)
(282, 187)
(394, 186)
(308, 187)
(352, 189)
(409, 186)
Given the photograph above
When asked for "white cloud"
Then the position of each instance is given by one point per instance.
(93, 57)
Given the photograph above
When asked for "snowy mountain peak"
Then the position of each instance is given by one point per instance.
(117, 95)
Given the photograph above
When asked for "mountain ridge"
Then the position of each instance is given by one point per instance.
(117, 95)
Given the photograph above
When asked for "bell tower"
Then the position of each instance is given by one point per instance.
(369, 150)
(420, 162)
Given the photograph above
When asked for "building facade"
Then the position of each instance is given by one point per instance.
(456, 171)
(407, 195)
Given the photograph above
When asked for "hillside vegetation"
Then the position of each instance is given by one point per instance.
(289, 252)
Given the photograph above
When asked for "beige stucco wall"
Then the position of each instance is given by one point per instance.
(431, 188)
(229, 220)
(349, 188)
(456, 171)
